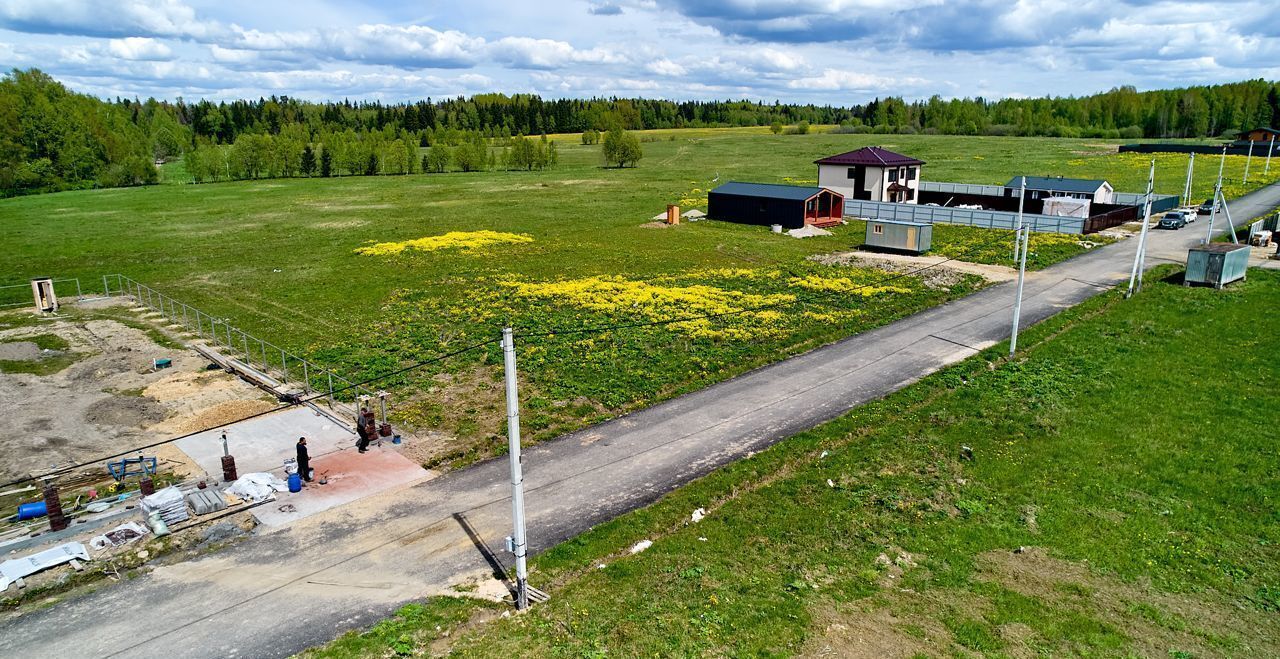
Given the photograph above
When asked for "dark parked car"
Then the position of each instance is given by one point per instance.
(1172, 221)
(1205, 208)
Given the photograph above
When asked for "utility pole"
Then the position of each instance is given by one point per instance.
(1272, 147)
(1024, 238)
(1140, 257)
(1217, 194)
(1248, 160)
(1186, 189)
(517, 543)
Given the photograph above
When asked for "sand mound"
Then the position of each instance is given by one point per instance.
(222, 414)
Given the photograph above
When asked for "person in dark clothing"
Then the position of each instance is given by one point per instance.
(304, 460)
(363, 431)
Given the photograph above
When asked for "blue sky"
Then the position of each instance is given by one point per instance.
(824, 51)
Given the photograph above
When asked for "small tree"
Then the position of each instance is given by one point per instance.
(437, 159)
(308, 164)
(326, 163)
(621, 147)
(371, 165)
(775, 127)
(590, 136)
(802, 128)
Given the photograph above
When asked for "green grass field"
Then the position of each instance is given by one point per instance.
(278, 259)
(1120, 501)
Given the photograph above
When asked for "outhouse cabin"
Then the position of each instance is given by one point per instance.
(792, 206)
(910, 237)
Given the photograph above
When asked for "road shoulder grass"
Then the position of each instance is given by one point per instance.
(1120, 501)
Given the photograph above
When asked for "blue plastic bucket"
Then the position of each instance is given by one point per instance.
(32, 510)
(295, 483)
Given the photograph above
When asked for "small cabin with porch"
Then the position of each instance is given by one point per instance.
(792, 206)
(872, 174)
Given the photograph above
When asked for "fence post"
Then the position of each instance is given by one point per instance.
(106, 292)
(306, 377)
(79, 293)
(330, 389)
(284, 367)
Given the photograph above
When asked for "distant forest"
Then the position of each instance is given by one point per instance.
(54, 139)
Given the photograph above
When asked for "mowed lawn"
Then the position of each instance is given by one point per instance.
(278, 259)
(1110, 492)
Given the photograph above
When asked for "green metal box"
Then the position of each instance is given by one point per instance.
(1216, 264)
(913, 237)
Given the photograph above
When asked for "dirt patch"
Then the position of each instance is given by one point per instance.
(902, 622)
(944, 275)
(472, 400)
(110, 399)
(343, 224)
(656, 224)
(1156, 622)
(19, 351)
(126, 412)
(871, 632)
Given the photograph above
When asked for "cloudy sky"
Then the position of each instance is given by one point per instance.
(825, 51)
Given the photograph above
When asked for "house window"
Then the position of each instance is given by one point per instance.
(877, 229)
(911, 173)
(893, 175)
(852, 173)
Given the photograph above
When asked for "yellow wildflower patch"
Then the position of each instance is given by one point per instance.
(654, 302)
(842, 285)
(468, 241)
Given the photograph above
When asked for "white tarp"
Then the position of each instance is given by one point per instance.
(17, 568)
(257, 487)
(1066, 207)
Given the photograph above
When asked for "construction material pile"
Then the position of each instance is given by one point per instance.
(170, 502)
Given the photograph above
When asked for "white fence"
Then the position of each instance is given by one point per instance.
(1159, 203)
(964, 216)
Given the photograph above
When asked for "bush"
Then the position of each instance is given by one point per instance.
(1131, 132)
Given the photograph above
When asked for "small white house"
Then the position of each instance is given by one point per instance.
(1043, 187)
(872, 174)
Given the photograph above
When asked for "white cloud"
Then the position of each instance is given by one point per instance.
(139, 48)
(665, 67)
(123, 18)
(839, 80)
(527, 53)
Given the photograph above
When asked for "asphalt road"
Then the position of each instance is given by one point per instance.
(281, 592)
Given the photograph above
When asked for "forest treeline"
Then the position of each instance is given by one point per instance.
(52, 138)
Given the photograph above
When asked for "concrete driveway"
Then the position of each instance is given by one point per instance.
(281, 592)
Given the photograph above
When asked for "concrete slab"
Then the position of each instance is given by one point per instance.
(264, 443)
(351, 475)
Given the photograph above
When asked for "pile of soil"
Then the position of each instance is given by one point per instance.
(126, 412)
(19, 351)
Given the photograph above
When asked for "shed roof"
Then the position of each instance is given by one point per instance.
(899, 223)
(770, 190)
(1056, 183)
(870, 155)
